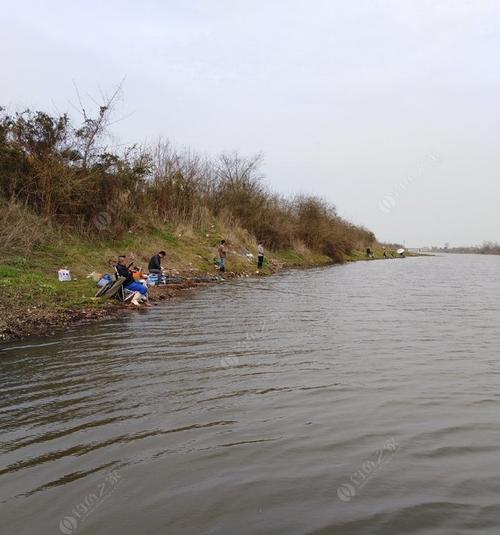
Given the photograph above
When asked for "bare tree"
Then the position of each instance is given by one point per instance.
(233, 168)
(94, 128)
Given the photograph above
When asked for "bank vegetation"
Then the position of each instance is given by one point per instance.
(58, 178)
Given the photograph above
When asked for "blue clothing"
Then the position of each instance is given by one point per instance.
(137, 287)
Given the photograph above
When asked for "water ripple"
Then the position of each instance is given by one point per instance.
(255, 406)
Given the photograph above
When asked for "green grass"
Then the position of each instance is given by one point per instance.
(32, 279)
(8, 272)
(29, 282)
(166, 237)
(33, 287)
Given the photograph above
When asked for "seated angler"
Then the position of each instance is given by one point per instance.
(130, 284)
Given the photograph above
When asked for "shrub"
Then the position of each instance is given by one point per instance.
(54, 172)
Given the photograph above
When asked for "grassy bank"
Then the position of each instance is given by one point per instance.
(68, 200)
(35, 302)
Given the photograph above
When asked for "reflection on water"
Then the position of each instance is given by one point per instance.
(355, 399)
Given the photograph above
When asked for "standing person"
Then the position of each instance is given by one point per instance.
(154, 265)
(260, 255)
(222, 252)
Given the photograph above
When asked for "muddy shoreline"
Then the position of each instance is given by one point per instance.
(27, 322)
(23, 322)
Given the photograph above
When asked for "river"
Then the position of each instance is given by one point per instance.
(356, 399)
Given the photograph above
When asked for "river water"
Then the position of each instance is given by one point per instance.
(361, 398)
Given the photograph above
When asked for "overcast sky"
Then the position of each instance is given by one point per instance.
(388, 109)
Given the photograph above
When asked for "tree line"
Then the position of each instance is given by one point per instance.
(69, 175)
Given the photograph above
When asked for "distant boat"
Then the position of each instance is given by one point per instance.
(400, 251)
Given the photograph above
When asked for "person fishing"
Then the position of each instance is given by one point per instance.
(222, 253)
(154, 265)
(123, 270)
(260, 255)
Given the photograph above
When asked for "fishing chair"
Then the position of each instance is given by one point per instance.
(115, 290)
(122, 293)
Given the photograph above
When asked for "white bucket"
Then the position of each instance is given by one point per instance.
(64, 275)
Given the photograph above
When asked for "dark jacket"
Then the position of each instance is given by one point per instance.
(155, 262)
(124, 271)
